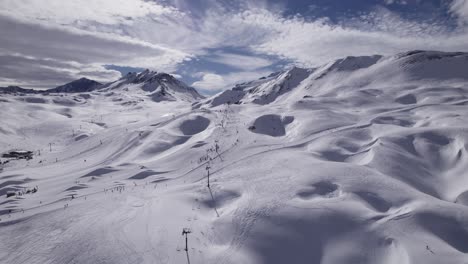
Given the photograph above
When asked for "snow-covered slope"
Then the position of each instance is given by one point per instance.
(262, 91)
(362, 160)
(393, 76)
(158, 86)
(396, 72)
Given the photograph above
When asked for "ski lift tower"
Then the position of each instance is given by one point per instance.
(185, 232)
(208, 176)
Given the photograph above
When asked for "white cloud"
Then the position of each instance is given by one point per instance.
(211, 82)
(18, 69)
(243, 62)
(399, 2)
(73, 11)
(314, 42)
(176, 75)
(78, 53)
(460, 8)
(308, 42)
(90, 33)
(148, 34)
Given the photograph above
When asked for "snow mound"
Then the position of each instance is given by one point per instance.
(64, 101)
(271, 125)
(447, 229)
(462, 198)
(99, 172)
(81, 136)
(375, 201)
(220, 198)
(194, 125)
(34, 100)
(76, 187)
(430, 157)
(323, 189)
(394, 120)
(145, 174)
(12, 184)
(348, 64)
(406, 99)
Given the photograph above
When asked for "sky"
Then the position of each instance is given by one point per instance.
(211, 44)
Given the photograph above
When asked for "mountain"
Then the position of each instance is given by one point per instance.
(17, 89)
(262, 91)
(360, 160)
(78, 86)
(158, 86)
(350, 75)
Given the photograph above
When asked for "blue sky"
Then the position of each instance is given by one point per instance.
(211, 44)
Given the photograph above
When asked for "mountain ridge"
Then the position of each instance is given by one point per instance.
(357, 71)
(159, 86)
(347, 74)
(76, 86)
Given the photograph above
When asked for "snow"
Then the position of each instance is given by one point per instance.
(362, 163)
(78, 86)
(157, 86)
(271, 125)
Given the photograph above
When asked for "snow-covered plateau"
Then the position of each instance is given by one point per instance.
(362, 160)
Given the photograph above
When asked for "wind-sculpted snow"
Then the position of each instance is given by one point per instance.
(272, 125)
(362, 160)
(194, 126)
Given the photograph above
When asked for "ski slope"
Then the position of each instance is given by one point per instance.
(362, 160)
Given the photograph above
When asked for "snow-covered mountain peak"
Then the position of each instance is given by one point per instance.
(13, 89)
(348, 64)
(159, 86)
(78, 86)
(129, 76)
(434, 65)
(149, 77)
(352, 63)
(262, 91)
(390, 74)
(422, 55)
(146, 76)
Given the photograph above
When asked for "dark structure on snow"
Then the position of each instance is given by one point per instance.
(18, 154)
